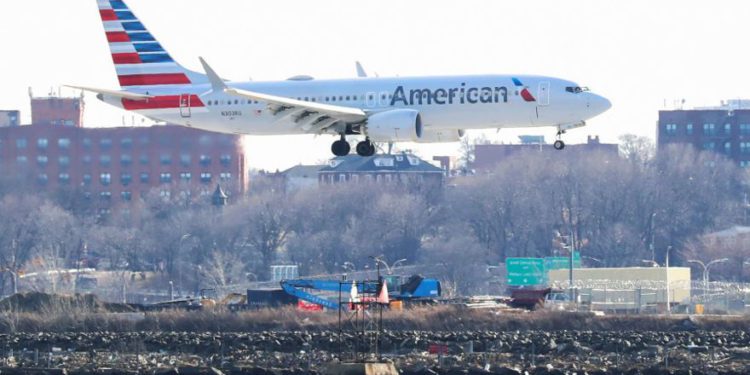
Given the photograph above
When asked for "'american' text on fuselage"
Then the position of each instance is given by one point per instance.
(441, 96)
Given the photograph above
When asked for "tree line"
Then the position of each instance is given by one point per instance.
(616, 210)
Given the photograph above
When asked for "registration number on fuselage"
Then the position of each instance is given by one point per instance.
(231, 113)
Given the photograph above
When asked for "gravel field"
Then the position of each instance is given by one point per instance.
(535, 352)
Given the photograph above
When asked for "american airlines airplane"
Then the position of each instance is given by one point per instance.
(416, 109)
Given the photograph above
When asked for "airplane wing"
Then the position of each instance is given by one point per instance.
(311, 116)
(115, 93)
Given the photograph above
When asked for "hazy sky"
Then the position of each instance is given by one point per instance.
(639, 54)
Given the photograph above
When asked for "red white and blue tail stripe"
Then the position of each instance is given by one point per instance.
(139, 58)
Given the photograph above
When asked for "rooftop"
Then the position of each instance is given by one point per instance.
(398, 163)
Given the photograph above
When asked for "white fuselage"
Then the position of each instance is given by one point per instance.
(457, 102)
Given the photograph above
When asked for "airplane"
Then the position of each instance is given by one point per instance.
(380, 109)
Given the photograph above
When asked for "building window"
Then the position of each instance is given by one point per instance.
(709, 129)
(127, 196)
(105, 143)
(63, 143)
(727, 148)
(185, 160)
(42, 160)
(143, 159)
(165, 159)
(64, 178)
(42, 143)
(144, 141)
(42, 179)
(670, 129)
(126, 160)
(225, 176)
(205, 140)
(87, 143)
(87, 179)
(727, 129)
(226, 159)
(205, 177)
(744, 129)
(342, 177)
(106, 196)
(709, 146)
(105, 160)
(745, 164)
(86, 159)
(166, 194)
(144, 178)
(689, 129)
(744, 147)
(126, 178)
(21, 159)
(64, 161)
(185, 176)
(21, 143)
(105, 178)
(205, 160)
(165, 178)
(126, 143)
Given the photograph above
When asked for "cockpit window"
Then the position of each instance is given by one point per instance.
(576, 89)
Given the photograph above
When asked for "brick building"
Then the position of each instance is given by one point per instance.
(112, 166)
(10, 118)
(53, 110)
(488, 156)
(724, 129)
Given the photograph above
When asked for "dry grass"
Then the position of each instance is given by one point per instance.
(435, 318)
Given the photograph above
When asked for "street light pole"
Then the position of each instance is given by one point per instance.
(669, 307)
(707, 271)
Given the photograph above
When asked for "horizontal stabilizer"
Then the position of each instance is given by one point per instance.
(114, 93)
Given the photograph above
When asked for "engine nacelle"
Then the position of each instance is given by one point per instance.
(440, 135)
(397, 125)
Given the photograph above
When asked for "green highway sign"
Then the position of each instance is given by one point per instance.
(562, 263)
(526, 271)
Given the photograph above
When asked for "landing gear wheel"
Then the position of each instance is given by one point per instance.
(365, 148)
(559, 145)
(341, 147)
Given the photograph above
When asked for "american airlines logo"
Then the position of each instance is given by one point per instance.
(462, 94)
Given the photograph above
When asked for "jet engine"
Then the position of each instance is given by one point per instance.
(440, 135)
(397, 125)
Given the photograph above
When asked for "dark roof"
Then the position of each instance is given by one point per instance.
(380, 163)
(303, 171)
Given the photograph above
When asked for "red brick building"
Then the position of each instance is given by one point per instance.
(112, 166)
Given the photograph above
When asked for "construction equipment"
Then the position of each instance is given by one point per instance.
(415, 289)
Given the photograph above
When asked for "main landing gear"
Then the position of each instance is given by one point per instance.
(342, 147)
(365, 148)
(559, 144)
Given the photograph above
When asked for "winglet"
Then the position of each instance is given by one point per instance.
(360, 70)
(216, 82)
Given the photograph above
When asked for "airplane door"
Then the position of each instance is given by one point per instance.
(543, 93)
(185, 105)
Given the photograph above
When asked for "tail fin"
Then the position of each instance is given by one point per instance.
(140, 61)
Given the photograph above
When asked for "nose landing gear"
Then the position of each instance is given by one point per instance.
(559, 144)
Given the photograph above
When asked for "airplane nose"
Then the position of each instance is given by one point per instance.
(598, 104)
